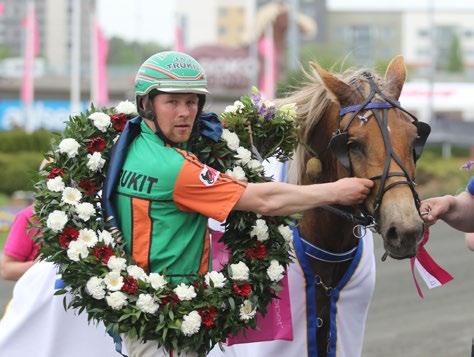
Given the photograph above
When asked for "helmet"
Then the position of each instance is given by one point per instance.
(170, 72)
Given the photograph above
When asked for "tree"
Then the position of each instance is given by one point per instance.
(122, 52)
(455, 59)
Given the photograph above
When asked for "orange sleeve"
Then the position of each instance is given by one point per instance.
(200, 188)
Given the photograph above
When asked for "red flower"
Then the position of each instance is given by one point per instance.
(258, 252)
(103, 253)
(197, 284)
(208, 316)
(67, 235)
(96, 144)
(129, 285)
(88, 186)
(170, 298)
(118, 121)
(55, 171)
(243, 290)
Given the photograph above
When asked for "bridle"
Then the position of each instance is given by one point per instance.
(338, 144)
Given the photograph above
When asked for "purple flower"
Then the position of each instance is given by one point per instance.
(270, 113)
(256, 98)
(262, 109)
(468, 165)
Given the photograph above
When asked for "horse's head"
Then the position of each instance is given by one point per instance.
(372, 136)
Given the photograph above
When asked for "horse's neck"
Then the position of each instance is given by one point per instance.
(327, 231)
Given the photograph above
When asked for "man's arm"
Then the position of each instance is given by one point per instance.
(457, 211)
(281, 199)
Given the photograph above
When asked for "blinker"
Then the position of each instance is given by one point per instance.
(423, 130)
(338, 145)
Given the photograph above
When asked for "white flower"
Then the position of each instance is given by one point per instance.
(232, 139)
(137, 272)
(69, 146)
(286, 232)
(71, 195)
(96, 162)
(116, 300)
(116, 264)
(114, 281)
(56, 220)
(77, 250)
(157, 281)
(237, 173)
(260, 230)
(230, 109)
(191, 323)
(239, 271)
(289, 109)
(218, 279)
(243, 155)
(255, 165)
(185, 292)
(101, 121)
(85, 211)
(275, 271)
(106, 237)
(247, 311)
(55, 184)
(88, 236)
(238, 105)
(126, 107)
(147, 303)
(95, 287)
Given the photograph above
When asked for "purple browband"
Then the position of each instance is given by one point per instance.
(371, 105)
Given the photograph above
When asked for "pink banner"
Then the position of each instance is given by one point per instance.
(276, 325)
(2, 8)
(31, 50)
(178, 39)
(268, 72)
(100, 94)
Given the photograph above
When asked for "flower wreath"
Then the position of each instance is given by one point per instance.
(105, 282)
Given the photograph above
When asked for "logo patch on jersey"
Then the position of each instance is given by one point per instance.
(208, 176)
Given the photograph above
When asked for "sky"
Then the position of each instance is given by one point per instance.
(139, 20)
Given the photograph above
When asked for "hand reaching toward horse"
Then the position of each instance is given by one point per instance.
(351, 190)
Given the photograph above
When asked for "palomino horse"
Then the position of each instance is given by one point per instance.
(350, 125)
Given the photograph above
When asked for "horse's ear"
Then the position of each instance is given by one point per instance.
(395, 76)
(341, 90)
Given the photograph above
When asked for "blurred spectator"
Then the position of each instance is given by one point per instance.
(20, 250)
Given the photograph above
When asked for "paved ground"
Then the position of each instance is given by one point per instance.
(400, 324)
(440, 325)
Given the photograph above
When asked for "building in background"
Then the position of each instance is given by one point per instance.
(54, 25)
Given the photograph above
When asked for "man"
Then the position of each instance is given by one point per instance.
(457, 211)
(164, 195)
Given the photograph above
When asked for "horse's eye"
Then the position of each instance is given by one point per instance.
(356, 147)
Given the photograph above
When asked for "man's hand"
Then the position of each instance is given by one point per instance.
(435, 208)
(352, 190)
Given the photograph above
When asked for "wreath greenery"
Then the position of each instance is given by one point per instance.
(101, 278)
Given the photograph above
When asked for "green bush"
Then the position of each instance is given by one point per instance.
(19, 171)
(18, 140)
(437, 176)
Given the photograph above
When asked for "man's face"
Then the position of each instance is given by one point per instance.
(176, 114)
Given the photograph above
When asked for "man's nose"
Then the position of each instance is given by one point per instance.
(183, 109)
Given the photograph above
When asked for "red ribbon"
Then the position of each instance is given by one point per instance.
(429, 264)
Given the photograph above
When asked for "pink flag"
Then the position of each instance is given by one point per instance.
(276, 325)
(2, 8)
(178, 37)
(268, 73)
(30, 52)
(100, 50)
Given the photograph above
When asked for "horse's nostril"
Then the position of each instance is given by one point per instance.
(392, 233)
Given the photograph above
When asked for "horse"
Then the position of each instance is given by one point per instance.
(350, 124)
